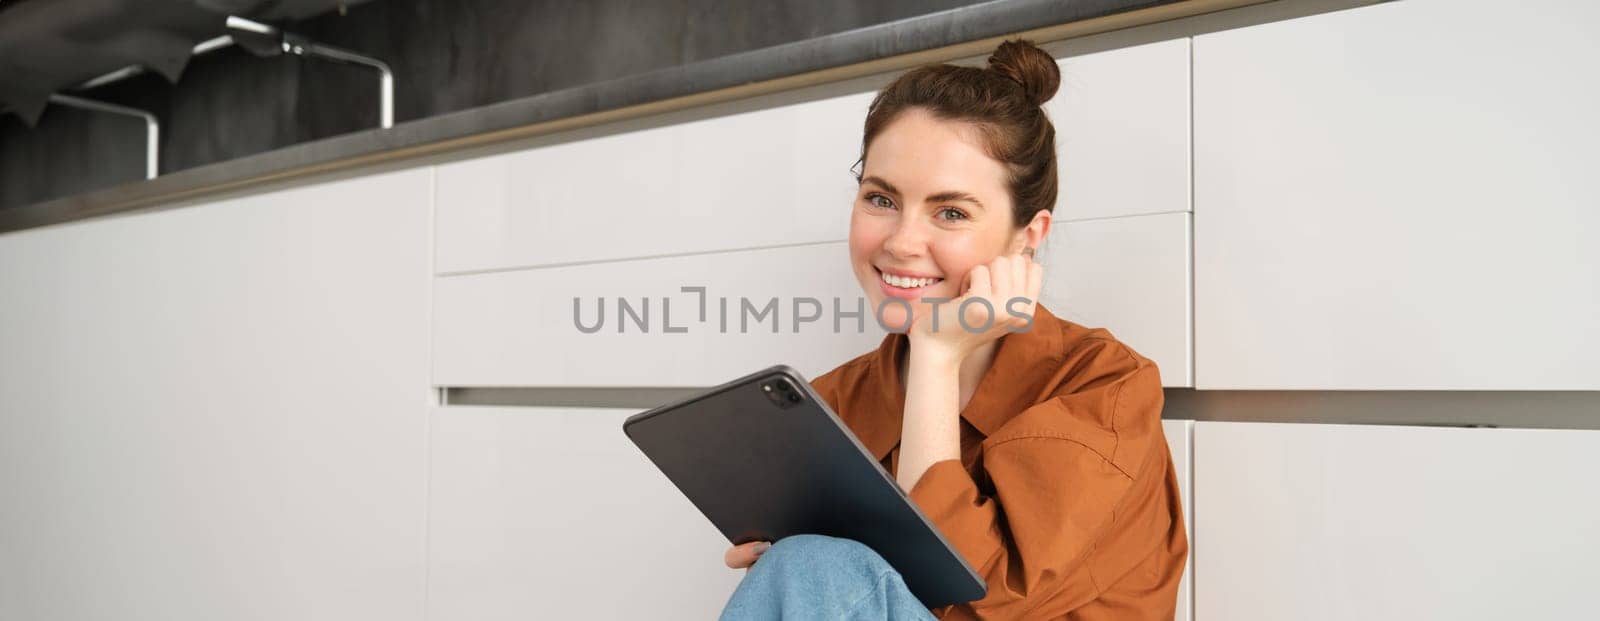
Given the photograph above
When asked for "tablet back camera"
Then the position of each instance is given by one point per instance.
(782, 393)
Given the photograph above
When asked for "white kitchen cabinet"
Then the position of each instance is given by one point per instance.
(546, 512)
(733, 179)
(218, 411)
(519, 328)
(1370, 522)
(1400, 196)
(780, 174)
(1180, 440)
(1122, 131)
(1131, 276)
(552, 513)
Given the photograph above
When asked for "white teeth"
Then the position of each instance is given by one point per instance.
(907, 283)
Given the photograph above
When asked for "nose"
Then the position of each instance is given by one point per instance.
(907, 240)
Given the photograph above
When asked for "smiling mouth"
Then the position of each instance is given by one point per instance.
(903, 282)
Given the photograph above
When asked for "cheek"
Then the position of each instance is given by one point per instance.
(866, 236)
(956, 255)
(864, 243)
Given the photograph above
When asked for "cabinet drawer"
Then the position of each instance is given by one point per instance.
(1367, 522)
(1373, 217)
(779, 175)
(543, 513)
(1122, 131)
(519, 328)
(1130, 276)
(218, 411)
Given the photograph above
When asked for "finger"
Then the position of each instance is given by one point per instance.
(1000, 277)
(758, 548)
(744, 555)
(739, 556)
(981, 286)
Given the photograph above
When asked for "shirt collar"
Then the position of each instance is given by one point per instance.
(1021, 375)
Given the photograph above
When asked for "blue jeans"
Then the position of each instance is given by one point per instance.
(820, 577)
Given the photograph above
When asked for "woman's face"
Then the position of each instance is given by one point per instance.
(932, 205)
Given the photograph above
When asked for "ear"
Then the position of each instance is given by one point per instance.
(1034, 234)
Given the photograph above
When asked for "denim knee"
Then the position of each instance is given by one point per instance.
(824, 553)
(822, 577)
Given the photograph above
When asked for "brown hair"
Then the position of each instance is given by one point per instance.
(1003, 102)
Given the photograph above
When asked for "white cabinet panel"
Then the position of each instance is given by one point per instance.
(1379, 209)
(519, 328)
(1122, 131)
(1362, 522)
(551, 513)
(549, 203)
(1130, 276)
(218, 411)
(1179, 435)
(779, 175)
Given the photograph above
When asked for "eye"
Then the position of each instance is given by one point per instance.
(885, 204)
(951, 214)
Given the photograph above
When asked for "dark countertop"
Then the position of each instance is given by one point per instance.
(858, 52)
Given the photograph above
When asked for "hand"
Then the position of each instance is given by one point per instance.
(1000, 282)
(744, 555)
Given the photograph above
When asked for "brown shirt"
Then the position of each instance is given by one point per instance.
(1065, 499)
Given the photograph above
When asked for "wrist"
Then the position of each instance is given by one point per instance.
(934, 355)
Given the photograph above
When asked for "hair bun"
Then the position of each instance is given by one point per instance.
(1026, 64)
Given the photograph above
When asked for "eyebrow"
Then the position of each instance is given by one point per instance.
(940, 197)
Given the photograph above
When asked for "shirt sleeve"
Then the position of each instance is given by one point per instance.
(827, 385)
(1060, 470)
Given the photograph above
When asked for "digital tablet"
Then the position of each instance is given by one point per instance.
(763, 457)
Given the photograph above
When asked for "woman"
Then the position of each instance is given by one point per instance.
(1032, 443)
